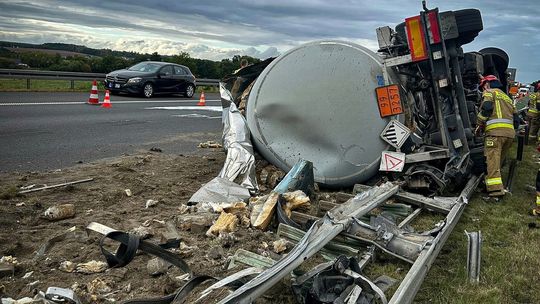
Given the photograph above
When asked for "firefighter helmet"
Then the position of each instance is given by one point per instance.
(487, 78)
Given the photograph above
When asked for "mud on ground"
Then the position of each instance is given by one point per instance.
(168, 179)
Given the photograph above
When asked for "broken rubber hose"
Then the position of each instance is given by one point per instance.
(282, 216)
(176, 297)
(128, 247)
(125, 252)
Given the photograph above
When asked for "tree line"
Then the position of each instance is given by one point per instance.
(113, 60)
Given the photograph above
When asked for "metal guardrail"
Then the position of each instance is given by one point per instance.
(72, 76)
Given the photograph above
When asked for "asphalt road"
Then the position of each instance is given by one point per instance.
(45, 131)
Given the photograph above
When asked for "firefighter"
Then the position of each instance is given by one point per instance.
(533, 114)
(536, 209)
(497, 119)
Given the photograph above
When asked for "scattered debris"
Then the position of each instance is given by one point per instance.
(6, 269)
(210, 144)
(62, 295)
(170, 238)
(270, 176)
(27, 275)
(280, 245)
(150, 203)
(52, 241)
(57, 185)
(27, 187)
(226, 222)
(263, 211)
(21, 204)
(128, 192)
(197, 222)
(87, 268)
(60, 212)
(142, 232)
(156, 149)
(250, 259)
(220, 190)
(474, 257)
(99, 286)
(157, 266)
(295, 200)
(8, 259)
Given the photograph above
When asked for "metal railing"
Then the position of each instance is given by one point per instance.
(72, 76)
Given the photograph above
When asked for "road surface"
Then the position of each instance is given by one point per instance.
(45, 131)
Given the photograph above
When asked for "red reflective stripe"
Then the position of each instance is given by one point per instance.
(434, 27)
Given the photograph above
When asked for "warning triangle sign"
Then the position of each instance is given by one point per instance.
(392, 161)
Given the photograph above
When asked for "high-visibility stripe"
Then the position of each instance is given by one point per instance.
(494, 181)
(533, 111)
(481, 117)
(93, 95)
(498, 108)
(538, 200)
(499, 120)
(500, 125)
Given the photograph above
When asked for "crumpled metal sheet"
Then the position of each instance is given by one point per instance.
(240, 162)
(220, 190)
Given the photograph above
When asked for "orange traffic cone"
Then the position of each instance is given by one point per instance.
(202, 100)
(94, 99)
(107, 101)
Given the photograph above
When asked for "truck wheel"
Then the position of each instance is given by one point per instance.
(469, 24)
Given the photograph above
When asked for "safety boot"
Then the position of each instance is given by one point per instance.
(536, 211)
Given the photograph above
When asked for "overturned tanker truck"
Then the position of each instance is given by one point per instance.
(405, 114)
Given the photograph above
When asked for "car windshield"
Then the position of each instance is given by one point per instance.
(145, 67)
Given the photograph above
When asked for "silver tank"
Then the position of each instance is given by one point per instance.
(317, 102)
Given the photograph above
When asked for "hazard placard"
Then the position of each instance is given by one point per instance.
(395, 133)
(389, 100)
(392, 161)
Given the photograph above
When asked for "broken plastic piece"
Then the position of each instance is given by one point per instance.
(249, 258)
(62, 295)
(220, 190)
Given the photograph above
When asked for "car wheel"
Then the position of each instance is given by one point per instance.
(148, 90)
(190, 90)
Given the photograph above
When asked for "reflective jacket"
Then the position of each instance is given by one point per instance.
(497, 113)
(534, 104)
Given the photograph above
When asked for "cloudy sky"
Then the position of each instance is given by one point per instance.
(260, 28)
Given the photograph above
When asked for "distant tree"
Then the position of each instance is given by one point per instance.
(155, 56)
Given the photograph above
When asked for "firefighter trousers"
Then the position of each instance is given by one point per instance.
(538, 188)
(495, 150)
(534, 126)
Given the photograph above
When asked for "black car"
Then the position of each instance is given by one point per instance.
(152, 77)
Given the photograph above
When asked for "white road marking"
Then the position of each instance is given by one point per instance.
(193, 108)
(194, 115)
(112, 102)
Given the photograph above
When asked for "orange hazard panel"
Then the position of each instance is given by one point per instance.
(389, 100)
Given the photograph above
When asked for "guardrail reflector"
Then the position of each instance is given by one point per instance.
(416, 38)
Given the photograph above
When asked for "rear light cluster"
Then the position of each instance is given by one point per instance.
(416, 36)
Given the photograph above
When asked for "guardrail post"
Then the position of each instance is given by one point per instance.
(72, 84)
(28, 83)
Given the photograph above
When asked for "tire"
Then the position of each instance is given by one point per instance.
(190, 90)
(148, 90)
(469, 24)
